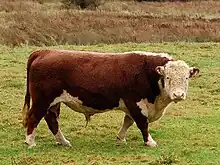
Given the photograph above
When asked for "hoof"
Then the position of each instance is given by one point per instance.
(30, 145)
(64, 143)
(151, 144)
(120, 141)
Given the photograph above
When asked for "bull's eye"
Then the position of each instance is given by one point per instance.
(187, 78)
(167, 78)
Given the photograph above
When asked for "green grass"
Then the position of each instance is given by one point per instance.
(187, 134)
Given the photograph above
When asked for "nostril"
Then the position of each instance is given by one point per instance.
(178, 95)
(174, 94)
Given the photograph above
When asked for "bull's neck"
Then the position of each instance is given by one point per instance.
(162, 100)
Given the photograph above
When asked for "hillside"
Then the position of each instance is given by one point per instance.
(48, 23)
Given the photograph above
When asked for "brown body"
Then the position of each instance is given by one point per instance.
(95, 80)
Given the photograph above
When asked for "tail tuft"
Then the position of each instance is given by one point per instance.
(87, 119)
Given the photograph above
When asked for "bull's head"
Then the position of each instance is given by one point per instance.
(174, 79)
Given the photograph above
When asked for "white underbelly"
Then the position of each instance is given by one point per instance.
(152, 111)
(77, 105)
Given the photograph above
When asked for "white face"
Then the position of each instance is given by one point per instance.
(175, 78)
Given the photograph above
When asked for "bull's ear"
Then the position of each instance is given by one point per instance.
(193, 71)
(160, 70)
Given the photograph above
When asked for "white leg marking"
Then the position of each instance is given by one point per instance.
(61, 139)
(123, 130)
(150, 141)
(30, 139)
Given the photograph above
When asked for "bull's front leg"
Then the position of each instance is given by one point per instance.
(141, 121)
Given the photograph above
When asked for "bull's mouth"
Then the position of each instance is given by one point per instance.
(176, 100)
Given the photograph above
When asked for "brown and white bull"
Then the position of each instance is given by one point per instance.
(142, 84)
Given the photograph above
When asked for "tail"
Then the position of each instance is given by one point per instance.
(27, 99)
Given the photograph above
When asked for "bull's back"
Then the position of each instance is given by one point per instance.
(86, 69)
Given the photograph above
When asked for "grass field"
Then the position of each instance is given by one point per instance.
(187, 134)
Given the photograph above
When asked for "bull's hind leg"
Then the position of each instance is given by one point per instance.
(36, 113)
(127, 122)
(51, 118)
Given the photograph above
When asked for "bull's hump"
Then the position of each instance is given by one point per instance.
(162, 55)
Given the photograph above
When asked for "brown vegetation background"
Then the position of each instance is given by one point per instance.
(49, 23)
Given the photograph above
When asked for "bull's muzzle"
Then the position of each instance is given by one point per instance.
(178, 96)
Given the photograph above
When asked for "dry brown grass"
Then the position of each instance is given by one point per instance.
(34, 23)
